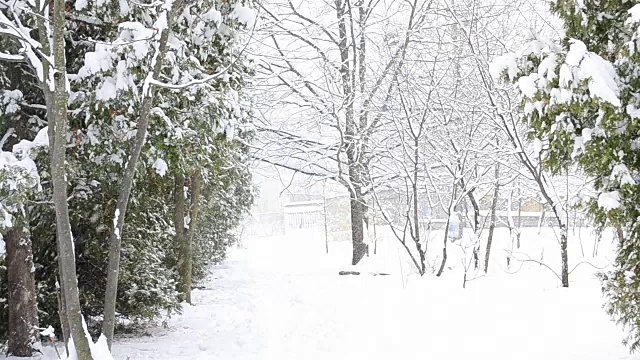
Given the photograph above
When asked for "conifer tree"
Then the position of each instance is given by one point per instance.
(581, 99)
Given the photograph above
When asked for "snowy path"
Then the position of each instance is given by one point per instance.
(276, 301)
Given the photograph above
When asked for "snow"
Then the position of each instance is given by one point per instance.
(99, 349)
(634, 14)
(244, 15)
(81, 4)
(107, 90)
(602, 78)
(621, 172)
(609, 200)
(537, 146)
(577, 52)
(25, 147)
(124, 7)
(504, 62)
(566, 76)
(22, 170)
(115, 223)
(633, 111)
(527, 85)
(48, 332)
(586, 135)
(578, 146)
(579, 65)
(281, 298)
(547, 67)
(10, 99)
(96, 61)
(161, 167)
(213, 15)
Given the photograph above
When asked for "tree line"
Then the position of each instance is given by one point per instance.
(447, 102)
(125, 160)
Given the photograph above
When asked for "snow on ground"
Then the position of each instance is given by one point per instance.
(282, 298)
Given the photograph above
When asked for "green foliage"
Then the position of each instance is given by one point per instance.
(227, 196)
(585, 109)
(185, 131)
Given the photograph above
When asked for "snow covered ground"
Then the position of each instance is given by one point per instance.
(282, 298)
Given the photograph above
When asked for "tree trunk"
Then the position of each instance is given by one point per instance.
(43, 32)
(350, 143)
(66, 253)
(444, 249)
(196, 189)
(492, 225)
(416, 206)
(476, 228)
(115, 241)
(62, 314)
(519, 219)
(23, 309)
(563, 253)
(541, 219)
(187, 243)
(375, 235)
(324, 213)
(182, 245)
(357, 230)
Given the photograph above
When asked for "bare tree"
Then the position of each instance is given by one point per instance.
(332, 73)
(484, 42)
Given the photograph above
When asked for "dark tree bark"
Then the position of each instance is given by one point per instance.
(492, 225)
(350, 143)
(183, 254)
(185, 261)
(563, 253)
(357, 230)
(23, 310)
(195, 187)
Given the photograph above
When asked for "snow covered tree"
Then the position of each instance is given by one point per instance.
(336, 72)
(438, 141)
(19, 179)
(485, 30)
(119, 84)
(19, 182)
(20, 21)
(580, 97)
(185, 59)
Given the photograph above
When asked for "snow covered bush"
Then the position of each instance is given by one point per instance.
(146, 282)
(227, 197)
(198, 106)
(580, 99)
